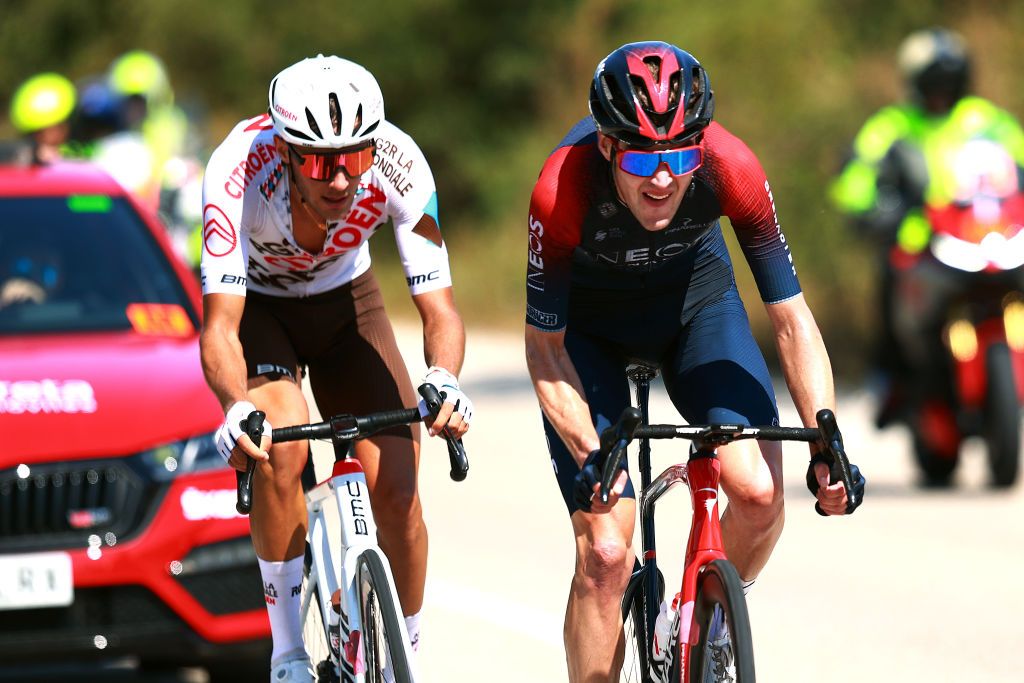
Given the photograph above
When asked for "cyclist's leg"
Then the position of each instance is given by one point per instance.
(278, 517)
(361, 372)
(716, 373)
(604, 557)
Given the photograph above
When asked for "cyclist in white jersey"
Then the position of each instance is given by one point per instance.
(290, 199)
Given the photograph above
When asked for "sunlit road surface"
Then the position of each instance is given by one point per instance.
(916, 586)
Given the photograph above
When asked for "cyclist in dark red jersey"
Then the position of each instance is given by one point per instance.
(627, 261)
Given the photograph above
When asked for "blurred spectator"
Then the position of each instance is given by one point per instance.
(174, 184)
(99, 135)
(147, 107)
(41, 110)
(902, 160)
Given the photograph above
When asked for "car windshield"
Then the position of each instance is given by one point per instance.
(81, 263)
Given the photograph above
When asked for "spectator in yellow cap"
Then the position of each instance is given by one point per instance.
(40, 110)
(141, 79)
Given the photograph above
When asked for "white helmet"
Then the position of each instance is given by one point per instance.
(303, 96)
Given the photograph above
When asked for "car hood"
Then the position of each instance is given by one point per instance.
(99, 395)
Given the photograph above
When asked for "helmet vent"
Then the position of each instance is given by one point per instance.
(696, 89)
(372, 127)
(312, 124)
(359, 120)
(653, 64)
(298, 134)
(335, 109)
(618, 99)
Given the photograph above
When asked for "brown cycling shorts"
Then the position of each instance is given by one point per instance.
(341, 338)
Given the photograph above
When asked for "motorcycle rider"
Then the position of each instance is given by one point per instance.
(903, 160)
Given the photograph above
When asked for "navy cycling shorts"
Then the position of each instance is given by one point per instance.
(712, 368)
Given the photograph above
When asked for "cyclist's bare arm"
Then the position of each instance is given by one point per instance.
(560, 391)
(563, 400)
(444, 336)
(808, 374)
(444, 343)
(804, 360)
(221, 354)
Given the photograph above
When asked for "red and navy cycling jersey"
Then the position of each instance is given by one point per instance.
(587, 248)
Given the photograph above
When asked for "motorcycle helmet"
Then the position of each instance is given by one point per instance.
(44, 100)
(326, 102)
(935, 64)
(141, 73)
(650, 93)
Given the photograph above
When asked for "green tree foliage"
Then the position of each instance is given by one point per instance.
(488, 88)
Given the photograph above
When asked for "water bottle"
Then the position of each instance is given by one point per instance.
(663, 630)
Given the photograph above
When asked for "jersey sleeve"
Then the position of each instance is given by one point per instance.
(747, 201)
(225, 250)
(414, 212)
(555, 219)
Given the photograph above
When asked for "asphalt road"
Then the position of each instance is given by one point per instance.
(916, 586)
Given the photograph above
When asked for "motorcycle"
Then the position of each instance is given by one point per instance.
(974, 263)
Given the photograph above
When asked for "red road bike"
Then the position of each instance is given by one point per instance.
(710, 603)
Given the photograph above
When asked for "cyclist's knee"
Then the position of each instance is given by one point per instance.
(286, 463)
(759, 500)
(604, 564)
(396, 506)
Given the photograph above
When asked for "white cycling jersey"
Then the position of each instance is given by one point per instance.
(248, 241)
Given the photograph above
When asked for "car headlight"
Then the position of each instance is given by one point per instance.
(194, 454)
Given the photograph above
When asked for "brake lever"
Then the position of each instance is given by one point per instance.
(457, 457)
(253, 426)
(839, 470)
(614, 440)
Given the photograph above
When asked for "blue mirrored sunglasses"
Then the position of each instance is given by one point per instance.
(645, 164)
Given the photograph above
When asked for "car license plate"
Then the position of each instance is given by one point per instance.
(35, 580)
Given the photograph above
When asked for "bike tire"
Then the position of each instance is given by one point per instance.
(382, 643)
(719, 588)
(636, 662)
(317, 638)
(1002, 417)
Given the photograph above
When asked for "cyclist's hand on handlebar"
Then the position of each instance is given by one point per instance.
(832, 498)
(587, 486)
(233, 444)
(456, 411)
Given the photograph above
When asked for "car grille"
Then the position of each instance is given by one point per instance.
(227, 591)
(59, 505)
(223, 577)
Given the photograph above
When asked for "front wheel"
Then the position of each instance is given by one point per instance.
(383, 647)
(724, 652)
(1002, 417)
(321, 640)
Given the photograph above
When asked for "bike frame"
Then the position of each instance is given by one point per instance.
(334, 569)
(701, 473)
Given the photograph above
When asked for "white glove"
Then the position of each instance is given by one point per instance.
(229, 432)
(448, 386)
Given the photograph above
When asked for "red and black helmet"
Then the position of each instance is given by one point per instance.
(649, 93)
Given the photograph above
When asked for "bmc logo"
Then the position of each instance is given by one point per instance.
(422, 278)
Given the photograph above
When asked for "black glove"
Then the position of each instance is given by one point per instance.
(588, 477)
(835, 474)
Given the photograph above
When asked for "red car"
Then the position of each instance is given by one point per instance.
(118, 534)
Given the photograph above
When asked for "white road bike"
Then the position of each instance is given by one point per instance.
(352, 621)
